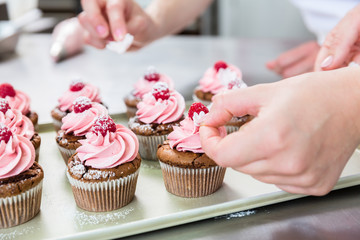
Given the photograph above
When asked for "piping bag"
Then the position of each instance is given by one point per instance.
(67, 39)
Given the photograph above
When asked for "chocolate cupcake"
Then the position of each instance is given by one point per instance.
(158, 112)
(187, 170)
(76, 124)
(20, 101)
(212, 82)
(76, 89)
(143, 86)
(20, 179)
(103, 172)
(19, 124)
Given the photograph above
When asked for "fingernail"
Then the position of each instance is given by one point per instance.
(327, 62)
(119, 34)
(101, 30)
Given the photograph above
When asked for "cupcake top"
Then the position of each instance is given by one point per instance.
(187, 137)
(107, 145)
(15, 120)
(213, 80)
(17, 154)
(146, 83)
(17, 99)
(81, 119)
(161, 105)
(78, 88)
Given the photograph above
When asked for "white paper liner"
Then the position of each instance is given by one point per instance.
(104, 196)
(66, 153)
(231, 129)
(196, 99)
(148, 146)
(192, 182)
(20, 208)
(121, 46)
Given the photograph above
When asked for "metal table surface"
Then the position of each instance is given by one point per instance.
(335, 216)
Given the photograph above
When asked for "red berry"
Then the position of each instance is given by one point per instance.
(161, 91)
(220, 64)
(4, 105)
(76, 85)
(7, 90)
(81, 104)
(5, 133)
(197, 107)
(103, 124)
(152, 75)
(234, 83)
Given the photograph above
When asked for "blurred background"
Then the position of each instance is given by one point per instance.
(243, 18)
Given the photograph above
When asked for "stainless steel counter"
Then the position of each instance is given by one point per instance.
(335, 216)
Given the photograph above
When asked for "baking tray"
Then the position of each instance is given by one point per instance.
(152, 208)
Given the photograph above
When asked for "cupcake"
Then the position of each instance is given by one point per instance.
(77, 88)
(19, 124)
(20, 179)
(103, 172)
(187, 170)
(20, 101)
(143, 86)
(76, 124)
(212, 83)
(157, 114)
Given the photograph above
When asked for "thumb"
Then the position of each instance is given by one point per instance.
(237, 102)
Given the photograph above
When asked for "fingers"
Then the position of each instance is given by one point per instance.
(94, 21)
(95, 42)
(115, 10)
(303, 66)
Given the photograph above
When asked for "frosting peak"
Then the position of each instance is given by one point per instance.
(16, 156)
(18, 123)
(20, 101)
(111, 150)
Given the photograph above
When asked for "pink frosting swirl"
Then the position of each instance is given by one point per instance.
(21, 102)
(161, 111)
(143, 86)
(89, 91)
(187, 137)
(81, 123)
(16, 156)
(210, 82)
(18, 123)
(111, 150)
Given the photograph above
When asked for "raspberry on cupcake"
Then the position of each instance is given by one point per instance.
(76, 89)
(76, 124)
(212, 83)
(20, 179)
(187, 170)
(157, 114)
(19, 124)
(103, 172)
(143, 86)
(20, 101)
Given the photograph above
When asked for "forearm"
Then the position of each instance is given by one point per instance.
(170, 16)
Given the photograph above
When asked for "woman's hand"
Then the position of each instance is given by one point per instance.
(304, 131)
(342, 45)
(298, 60)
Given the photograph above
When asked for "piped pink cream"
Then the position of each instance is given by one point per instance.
(161, 111)
(21, 102)
(213, 82)
(18, 123)
(111, 150)
(88, 90)
(80, 123)
(16, 155)
(143, 86)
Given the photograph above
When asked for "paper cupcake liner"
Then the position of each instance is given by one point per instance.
(231, 129)
(57, 124)
(131, 111)
(104, 196)
(20, 208)
(66, 153)
(192, 182)
(196, 99)
(148, 146)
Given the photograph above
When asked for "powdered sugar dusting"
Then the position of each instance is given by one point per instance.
(4, 105)
(16, 232)
(96, 174)
(78, 170)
